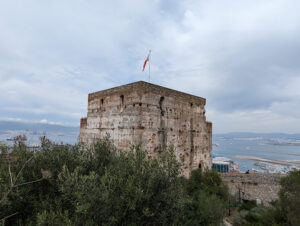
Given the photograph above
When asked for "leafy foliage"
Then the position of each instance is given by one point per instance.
(290, 197)
(283, 212)
(98, 185)
(248, 205)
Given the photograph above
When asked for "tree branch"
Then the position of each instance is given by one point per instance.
(23, 168)
(13, 184)
(9, 216)
(30, 182)
(9, 170)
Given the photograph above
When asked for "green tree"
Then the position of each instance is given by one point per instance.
(98, 185)
(125, 188)
(289, 196)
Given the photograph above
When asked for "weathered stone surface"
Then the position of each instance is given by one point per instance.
(153, 116)
(264, 187)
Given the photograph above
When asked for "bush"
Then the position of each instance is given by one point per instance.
(248, 205)
(284, 211)
(202, 209)
(76, 185)
(290, 197)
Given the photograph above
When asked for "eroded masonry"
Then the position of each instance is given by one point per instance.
(154, 117)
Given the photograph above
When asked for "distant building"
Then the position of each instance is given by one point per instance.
(222, 167)
(154, 117)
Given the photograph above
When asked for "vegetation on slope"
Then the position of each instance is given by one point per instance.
(283, 212)
(76, 185)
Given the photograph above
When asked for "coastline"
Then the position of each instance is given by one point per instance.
(293, 163)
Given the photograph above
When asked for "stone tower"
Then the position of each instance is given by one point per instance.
(153, 116)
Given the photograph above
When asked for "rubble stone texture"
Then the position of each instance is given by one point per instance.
(154, 117)
(262, 186)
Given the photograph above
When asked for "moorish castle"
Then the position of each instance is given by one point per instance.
(154, 117)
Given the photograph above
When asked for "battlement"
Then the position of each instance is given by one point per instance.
(144, 87)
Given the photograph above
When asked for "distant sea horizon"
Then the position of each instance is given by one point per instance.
(273, 146)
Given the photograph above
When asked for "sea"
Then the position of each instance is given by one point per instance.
(264, 146)
(272, 146)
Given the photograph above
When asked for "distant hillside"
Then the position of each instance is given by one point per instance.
(59, 129)
(263, 135)
(4, 126)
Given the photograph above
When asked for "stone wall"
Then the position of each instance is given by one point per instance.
(264, 187)
(153, 116)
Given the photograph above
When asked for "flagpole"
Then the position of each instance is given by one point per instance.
(149, 63)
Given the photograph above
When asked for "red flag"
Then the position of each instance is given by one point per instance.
(146, 62)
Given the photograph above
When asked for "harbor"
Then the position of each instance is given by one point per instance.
(257, 153)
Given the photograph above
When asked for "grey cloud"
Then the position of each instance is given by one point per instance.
(242, 56)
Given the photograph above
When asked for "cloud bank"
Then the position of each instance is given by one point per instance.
(242, 56)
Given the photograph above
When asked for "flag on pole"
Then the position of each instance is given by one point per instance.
(147, 59)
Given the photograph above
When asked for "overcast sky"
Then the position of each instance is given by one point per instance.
(242, 56)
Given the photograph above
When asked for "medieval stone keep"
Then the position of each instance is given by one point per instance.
(154, 117)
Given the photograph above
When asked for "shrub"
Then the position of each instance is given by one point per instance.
(97, 185)
(284, 211)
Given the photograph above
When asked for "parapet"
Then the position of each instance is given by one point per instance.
(144, 87)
